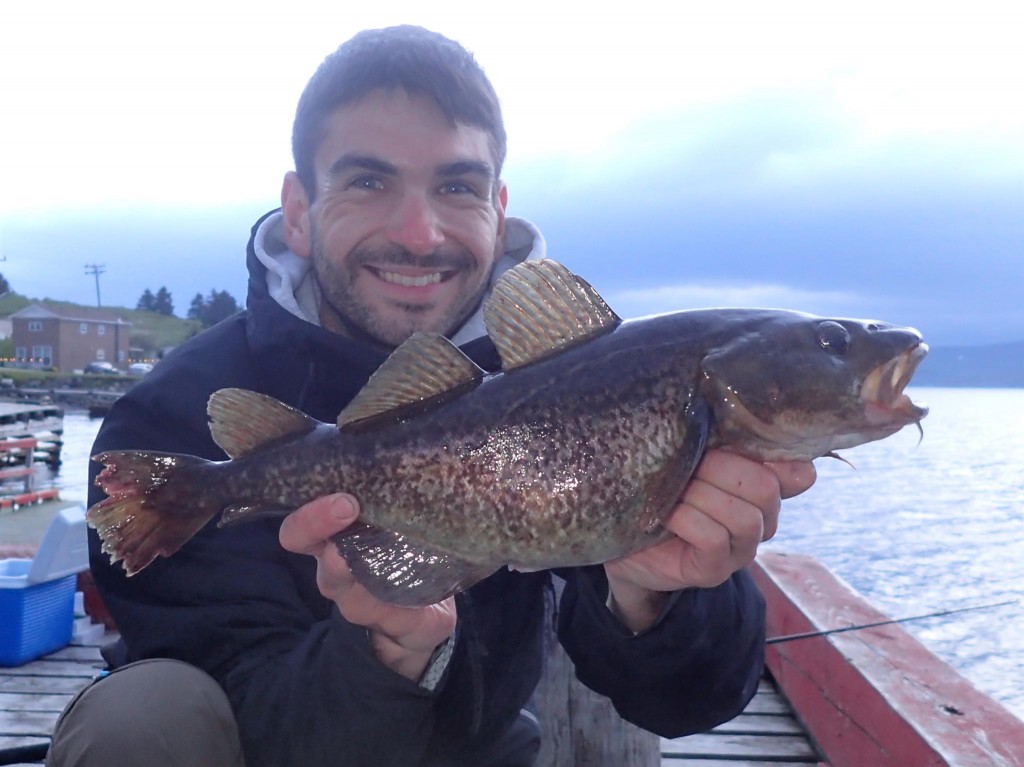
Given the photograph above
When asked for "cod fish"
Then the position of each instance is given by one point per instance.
(572, 455)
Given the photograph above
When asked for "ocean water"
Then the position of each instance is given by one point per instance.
(924, 526)
(916, 527)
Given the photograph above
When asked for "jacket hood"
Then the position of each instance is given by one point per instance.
(277, 273)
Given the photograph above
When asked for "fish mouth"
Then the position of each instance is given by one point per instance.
(882, 389)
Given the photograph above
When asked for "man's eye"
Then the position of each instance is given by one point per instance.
(457, 187)
(365, 182)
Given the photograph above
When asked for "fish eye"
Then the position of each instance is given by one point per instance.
(833, 337)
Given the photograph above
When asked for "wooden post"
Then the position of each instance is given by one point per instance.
(580, 728)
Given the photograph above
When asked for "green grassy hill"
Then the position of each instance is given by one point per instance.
(151, 332)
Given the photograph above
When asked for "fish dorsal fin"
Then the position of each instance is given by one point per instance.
(243, 421)
(538, 308)
(425, 366)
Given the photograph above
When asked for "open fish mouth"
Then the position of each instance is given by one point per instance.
(882, 389)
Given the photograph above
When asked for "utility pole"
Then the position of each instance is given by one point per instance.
(96, 270)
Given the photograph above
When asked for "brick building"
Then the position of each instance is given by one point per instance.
(68, 339)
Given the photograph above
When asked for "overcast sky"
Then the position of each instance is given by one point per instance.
(854, 159)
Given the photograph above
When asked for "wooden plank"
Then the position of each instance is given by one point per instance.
(27, 723)
(11, 742)
(580, 727)
(43, 684)
(714, 745)
(82, 653)
(768, 703)
(56, 668)
(761, 724)
(11, 701)
(672, 761)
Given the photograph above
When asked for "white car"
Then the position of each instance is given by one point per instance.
(139, 368)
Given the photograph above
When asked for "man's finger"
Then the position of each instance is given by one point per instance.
(306, 530)
(794, 476)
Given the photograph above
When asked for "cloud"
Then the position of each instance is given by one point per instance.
(665, 298)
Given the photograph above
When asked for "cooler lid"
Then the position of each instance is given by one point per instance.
(64, 549)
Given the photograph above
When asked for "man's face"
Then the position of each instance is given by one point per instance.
(407, 220)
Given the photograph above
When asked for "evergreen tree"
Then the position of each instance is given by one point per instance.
(163, 304)
(4, 285)
(146, 302)
(195, 309)
(219, 306)
(210, 310)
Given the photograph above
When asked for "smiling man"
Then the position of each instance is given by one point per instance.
(403, 220)
(255, 645)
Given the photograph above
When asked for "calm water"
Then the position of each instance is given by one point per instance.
(916, 528)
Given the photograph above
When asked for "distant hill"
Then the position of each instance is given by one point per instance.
(995, 365)
(150, 331)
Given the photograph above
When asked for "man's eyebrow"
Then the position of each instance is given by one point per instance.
(467, 167)
(354, 161)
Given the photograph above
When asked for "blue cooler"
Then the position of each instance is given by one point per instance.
(37, 596)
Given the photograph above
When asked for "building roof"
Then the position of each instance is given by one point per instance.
(71, 313)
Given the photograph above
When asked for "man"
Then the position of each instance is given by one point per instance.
(255, 644)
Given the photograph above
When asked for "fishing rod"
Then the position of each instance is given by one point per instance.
(889, 622)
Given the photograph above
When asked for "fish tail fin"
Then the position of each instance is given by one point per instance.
(149, 511)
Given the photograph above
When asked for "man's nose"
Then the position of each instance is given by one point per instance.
(415, 225)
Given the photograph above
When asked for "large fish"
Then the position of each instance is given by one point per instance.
(572, 455)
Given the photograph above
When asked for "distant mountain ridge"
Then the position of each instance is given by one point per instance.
(991, 366)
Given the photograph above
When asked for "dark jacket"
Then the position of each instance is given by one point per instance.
(305, 686)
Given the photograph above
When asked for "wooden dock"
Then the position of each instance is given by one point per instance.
(766, 734)
(20, 421)
(33, 695)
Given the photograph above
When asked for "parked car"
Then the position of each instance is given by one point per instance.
(139, 368)
(104, 368)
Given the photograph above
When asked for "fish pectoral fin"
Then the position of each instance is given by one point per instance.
(538, 308)
(425, 367)
(396, 570)
(243, 421)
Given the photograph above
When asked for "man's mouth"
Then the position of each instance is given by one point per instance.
(411, 280)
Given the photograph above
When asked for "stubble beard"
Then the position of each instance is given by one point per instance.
(336, 285)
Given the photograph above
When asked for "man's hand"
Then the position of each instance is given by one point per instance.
(402, 637)
(728, 508)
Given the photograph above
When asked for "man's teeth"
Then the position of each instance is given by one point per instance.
(411, 282)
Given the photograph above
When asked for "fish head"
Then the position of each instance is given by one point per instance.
(795, 387)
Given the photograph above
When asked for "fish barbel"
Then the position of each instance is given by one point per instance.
(572, 455)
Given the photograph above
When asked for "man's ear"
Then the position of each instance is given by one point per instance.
(501, 206)
(295, 207)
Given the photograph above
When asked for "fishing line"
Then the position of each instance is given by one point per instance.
(889, 622)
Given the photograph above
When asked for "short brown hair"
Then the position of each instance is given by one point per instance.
(411, 58)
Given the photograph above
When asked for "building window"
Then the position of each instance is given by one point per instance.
(35, 325)
(42, 356)
(101, 355)
(83, 329)
(20, 353)
(101, 330)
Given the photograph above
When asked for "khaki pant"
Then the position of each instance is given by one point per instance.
(157, 713)
(166, 713)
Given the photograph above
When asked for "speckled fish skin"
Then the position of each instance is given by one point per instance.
(568, 459)
(552, 465)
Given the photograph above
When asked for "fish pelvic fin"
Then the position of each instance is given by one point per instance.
(242, 421)
(146, 513)
(400, 571)
(538, 308)
(426, 369)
